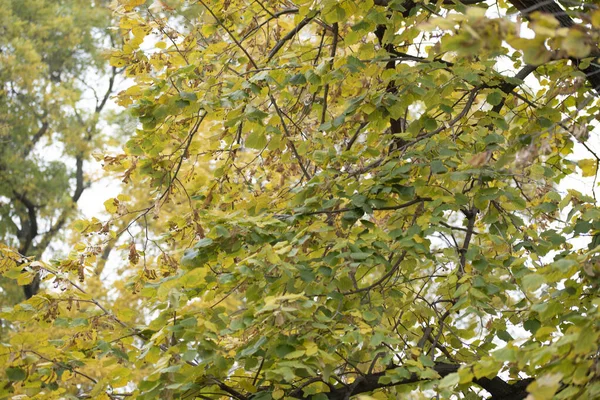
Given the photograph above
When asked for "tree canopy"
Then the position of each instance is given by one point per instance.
(48, 49)
(326, 199)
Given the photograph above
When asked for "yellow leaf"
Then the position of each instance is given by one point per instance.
(596, 19)
(111, 205)
(66, 375)
(131, 4)
(575, 44)
(311, 348)
(545, 386)
(588, 166)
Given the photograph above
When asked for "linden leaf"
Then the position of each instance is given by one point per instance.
(588, 166)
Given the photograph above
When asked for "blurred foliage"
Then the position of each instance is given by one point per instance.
(51, 55)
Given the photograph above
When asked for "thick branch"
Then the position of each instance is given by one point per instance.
(29, 226)
(32, 288)
(471, 216)
(36, 138)
(386, 3)
(509, 87)
(332, 56)
(527, 7)
(499, 389)
(79, 182)
(384, 208)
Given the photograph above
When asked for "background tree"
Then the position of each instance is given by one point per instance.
(50, 57)
(335, 198)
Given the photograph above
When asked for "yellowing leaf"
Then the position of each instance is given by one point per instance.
(545, 386)
(111, 205)
(596, 19)
(576, 44)
(131, 4)
(588, 166)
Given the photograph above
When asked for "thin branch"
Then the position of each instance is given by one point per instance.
(355, 136)
(230, 390)
(62, 365)
(288, 136)
(380, 280)
(288, 37)
(457, 228)
(384, 208)
(231, 35)
(386, 3)
(507, 88)
(109, 90)
(274, 16)
(447, 125)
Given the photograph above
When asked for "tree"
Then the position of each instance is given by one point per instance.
(333, 198)
(50, 50)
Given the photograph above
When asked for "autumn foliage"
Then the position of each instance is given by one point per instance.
(327, 199)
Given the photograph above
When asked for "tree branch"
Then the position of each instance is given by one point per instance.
(384, 208)
(385, 3)
(355, 136)
(273, 16)
(526, 7)
(289, 36)
(29, 226)
(471, 214)
(332, 55)
(237, 42)
(111, 83)
(499, 389)
(446, 125)
(287, 134)
(36, 137)
(507, 88)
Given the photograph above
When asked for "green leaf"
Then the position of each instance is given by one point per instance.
(502, 334)
(437, 167)
(298, 79)
(15, 374)
(532, 325)
(495, 97)
(532, 282)
(449, 380)
(256, 140)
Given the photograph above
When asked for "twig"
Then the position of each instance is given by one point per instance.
(355, 136)
(288, 37)
(237, 42)
(287, 134)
